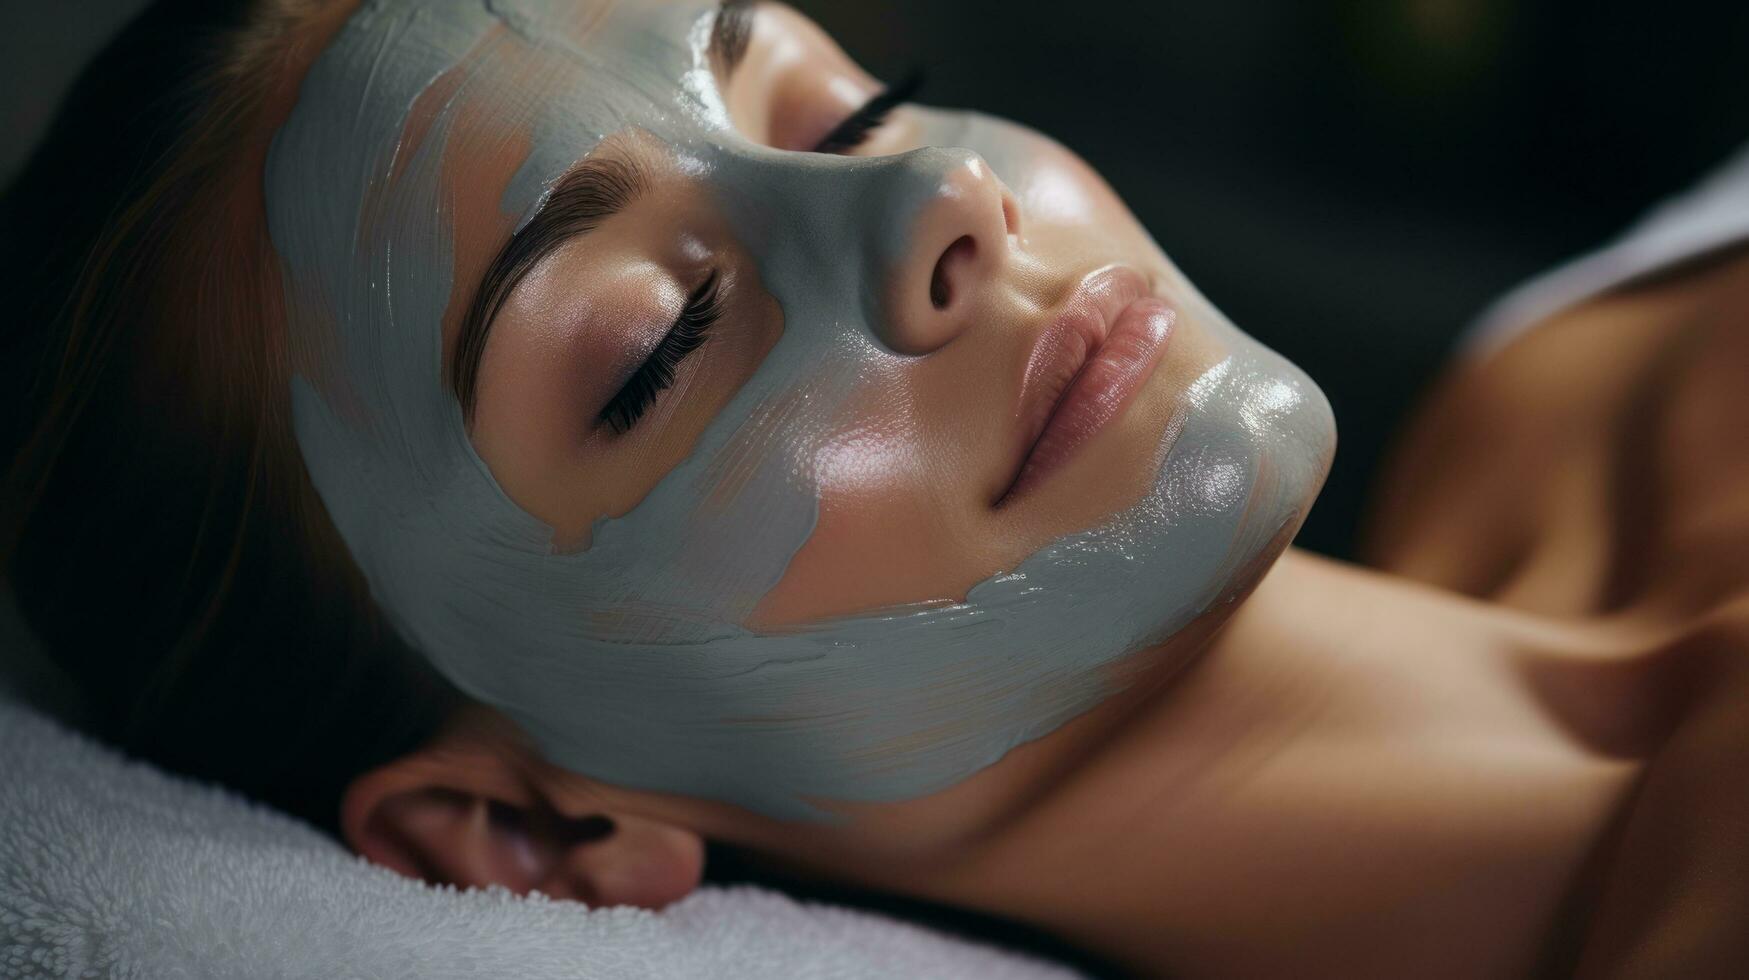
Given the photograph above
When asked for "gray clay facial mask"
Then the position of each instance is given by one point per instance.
(629, 660)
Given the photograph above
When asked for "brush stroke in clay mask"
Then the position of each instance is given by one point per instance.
(630, 658)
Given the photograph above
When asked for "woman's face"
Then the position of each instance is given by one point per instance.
(966, 277)
(737, 433)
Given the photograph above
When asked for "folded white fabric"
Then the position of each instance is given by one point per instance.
(110, 868)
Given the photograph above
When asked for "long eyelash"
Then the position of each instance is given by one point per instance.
(853, 132)
(702, 309)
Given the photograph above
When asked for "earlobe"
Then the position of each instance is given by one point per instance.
(458, 818)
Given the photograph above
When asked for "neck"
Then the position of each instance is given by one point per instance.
(1362, 775)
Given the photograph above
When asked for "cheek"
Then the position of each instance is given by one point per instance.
(1058, 192)
(891, 529)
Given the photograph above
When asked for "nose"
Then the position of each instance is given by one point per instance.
(947, 221)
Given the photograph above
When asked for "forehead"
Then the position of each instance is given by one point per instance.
(556, 76)
(434, 129)
(553, 78)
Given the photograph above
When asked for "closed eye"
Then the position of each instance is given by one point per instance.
(855, 130)
(656, 374)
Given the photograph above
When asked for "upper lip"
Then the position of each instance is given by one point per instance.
(1072, 338)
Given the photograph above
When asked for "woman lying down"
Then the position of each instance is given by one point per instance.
(534, 438)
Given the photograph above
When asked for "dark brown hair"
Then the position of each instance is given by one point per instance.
(161, 536)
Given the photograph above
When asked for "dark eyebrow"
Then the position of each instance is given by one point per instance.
(590, 193)
(730, 33)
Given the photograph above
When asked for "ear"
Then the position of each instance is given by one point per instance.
(456, 813)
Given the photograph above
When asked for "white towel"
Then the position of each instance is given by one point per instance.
(111, 868)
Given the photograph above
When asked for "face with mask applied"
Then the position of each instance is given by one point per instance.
(738, 427)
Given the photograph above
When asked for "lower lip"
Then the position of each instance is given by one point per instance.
(1102, 389)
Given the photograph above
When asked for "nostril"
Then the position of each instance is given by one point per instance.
(963, 249)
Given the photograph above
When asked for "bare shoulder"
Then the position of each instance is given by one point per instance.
(1601, 452)
(1599, 467)
(1675, 894)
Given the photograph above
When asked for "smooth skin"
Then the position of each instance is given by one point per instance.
(1504, 749)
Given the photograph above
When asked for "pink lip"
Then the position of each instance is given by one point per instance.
(1085, 369)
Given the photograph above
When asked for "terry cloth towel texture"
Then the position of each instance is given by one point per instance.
(110, 868)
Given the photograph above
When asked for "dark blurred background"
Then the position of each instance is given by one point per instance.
(1351, 180)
